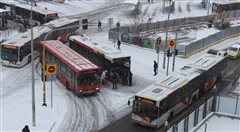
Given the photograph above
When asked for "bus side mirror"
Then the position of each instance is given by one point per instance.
(128, 102)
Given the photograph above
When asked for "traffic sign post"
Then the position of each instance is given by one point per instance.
(171, 44)
(51, 69)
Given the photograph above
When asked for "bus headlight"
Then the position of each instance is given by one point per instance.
(80, 90)
(97, 88)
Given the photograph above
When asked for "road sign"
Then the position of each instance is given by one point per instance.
(171, 43)
(51, 69)
(159, 41)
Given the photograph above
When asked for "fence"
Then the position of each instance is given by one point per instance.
(140, 35)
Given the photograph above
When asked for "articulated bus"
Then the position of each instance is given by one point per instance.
(63, 34)
(76, 72)
(21, 12)
(16, 52)
(112, 60)
(220, 6)
(160, 102)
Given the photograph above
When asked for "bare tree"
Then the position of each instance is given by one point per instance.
(179, 8)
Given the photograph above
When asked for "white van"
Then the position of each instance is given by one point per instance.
(233, 52)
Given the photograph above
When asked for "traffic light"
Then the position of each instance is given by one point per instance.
(169, 54)
(84, 24)
(176, 52)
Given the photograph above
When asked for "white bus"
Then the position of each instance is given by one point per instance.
(16, 52)
(160, 102)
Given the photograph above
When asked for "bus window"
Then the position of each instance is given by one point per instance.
(24, 51)
(88, 79)
(145, 110)
(9, 53)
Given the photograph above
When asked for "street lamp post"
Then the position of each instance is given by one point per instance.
(32, 62)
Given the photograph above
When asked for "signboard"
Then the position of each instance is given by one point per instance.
(159, 41)
(51, 69)
(171, 44)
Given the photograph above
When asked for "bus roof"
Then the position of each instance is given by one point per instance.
(60, 22)
(69, 56)
(25, 37)
(109, 53)
(28, 7)
(166, 86)
(236, 45)
(3, 10)
(206, 61)
(227, 2)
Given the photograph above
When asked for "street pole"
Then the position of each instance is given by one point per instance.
(168, 63)
(174, 51)
(32, 62)
(208, 7)
(166, 39)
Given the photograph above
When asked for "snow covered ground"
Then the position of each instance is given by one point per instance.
(69, 112)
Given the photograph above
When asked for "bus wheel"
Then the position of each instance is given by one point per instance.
(67, 86)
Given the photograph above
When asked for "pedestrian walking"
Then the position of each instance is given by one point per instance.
(103, 76)
(118, 25)
(114, 80)
(155, 67)
(130, 78)
(25, 129)
(99, 25)
(118, 44)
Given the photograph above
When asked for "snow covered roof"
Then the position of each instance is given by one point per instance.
(28, 7)
(3, 10)
(60, 22)
(22, 38)
(69, 56)
(206, 61)
(166, 86)
(109, 53)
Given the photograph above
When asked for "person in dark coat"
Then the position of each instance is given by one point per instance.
(155, 67)
(130, 78)
(25, 129)
(118, 44)
(114, 80)
(99, 25)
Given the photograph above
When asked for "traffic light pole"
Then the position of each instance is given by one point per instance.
(166, 39)
(174, 51)
(167, 64)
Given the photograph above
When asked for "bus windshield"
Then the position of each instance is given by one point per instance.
(88, 79)
(233, 49)
(143, 109)
(9, 53)
(215, 7)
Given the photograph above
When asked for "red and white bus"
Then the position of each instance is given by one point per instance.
(106, 57)
(76, 72)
